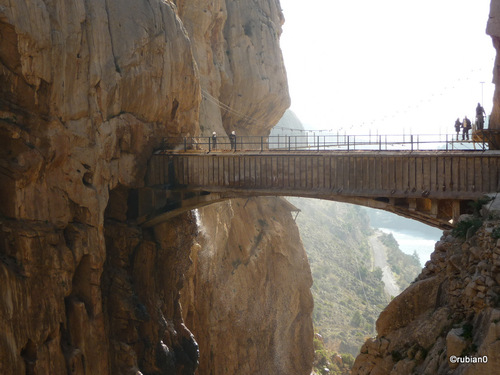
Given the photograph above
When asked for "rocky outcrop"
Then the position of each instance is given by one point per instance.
(452, 310)
(493, 29)
(88, 89)
(255, 316)
(236, 47)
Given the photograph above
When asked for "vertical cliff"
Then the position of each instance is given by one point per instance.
(493, 29)
(248, 299)
(87, 90)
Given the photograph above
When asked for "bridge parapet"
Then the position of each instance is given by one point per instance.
(432, 187)
(328, 142)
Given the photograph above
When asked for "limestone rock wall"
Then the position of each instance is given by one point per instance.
(255, 316)
(243, 79)
(493, 29)
(88, 89)
(452, 309)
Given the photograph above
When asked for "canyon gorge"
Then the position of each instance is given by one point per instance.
(89, 89)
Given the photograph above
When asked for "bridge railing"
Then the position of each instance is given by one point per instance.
(331, 142)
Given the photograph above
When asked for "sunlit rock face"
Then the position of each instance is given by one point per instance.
(243, 79)
(246, 298)
(493, 29)
(252, 271)
(87, 90)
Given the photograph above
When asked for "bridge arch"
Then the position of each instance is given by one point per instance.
(433, 187)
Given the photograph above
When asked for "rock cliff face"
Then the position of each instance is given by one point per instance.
(493, 29)
(451, 310)
(252, 271)
(87, 90)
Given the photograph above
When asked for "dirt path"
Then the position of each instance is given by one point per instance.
(380, 260)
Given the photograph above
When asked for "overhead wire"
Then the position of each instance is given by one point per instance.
(403, 112)
(228, 109)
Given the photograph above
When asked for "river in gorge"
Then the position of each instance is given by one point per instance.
(411, 235)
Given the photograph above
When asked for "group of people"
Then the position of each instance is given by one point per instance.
(465, 125)
(232, 140)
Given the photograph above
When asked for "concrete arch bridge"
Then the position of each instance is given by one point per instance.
(429, 181)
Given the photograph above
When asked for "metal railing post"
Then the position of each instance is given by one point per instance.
(262, 144)
(209, 144)
(347, 143)
(318, 143)
(411, 140)
(185, 144)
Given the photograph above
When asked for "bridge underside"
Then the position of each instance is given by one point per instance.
(157, 205)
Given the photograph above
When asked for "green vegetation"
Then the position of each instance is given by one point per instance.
(329, 362)
(467, 331)
(348, 290)
(478, 204)
(468, 227)
(496, 233)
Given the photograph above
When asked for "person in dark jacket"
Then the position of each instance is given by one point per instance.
(458, 125)
(214, 140)
(232, 139)
(466, 126)
(480, 113)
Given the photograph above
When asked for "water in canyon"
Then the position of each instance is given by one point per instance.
(411, 235)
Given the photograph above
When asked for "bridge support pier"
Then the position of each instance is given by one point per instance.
(455, 211)
(434, 208)
(412, 204)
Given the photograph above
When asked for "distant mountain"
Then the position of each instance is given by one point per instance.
(289, 124)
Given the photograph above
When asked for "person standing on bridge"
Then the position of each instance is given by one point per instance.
(458, 125)
(232, 139)
(467, 125)
(480, 113)
(214, 140)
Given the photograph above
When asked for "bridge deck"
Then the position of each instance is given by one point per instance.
(432, 184)
(464, 175)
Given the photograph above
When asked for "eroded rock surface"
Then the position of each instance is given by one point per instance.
(252, 271)
(451, 310)
(88, 89)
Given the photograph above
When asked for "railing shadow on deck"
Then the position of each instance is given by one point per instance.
(335, 142)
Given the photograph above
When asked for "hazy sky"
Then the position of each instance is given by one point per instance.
(387, 65)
